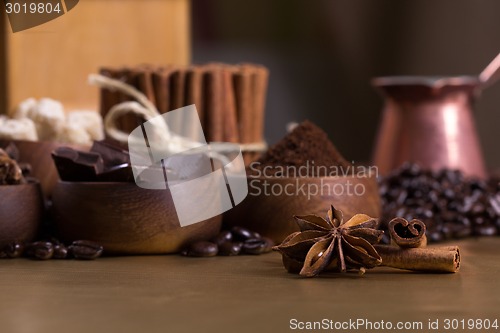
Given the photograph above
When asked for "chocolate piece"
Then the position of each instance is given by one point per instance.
(73, 165)
(111, 154)
(119, 173)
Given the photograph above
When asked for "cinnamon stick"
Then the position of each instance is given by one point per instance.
(436, 260)
(177, 98)
(407, 234)
(259, 87)
(108, 97)
(230, 122)
(161, 87)
(127, 122)
(212, 83)
(177, 88)
(143, 77)
(244, 105)
(194, 95)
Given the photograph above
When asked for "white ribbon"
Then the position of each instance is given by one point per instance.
(143, 107)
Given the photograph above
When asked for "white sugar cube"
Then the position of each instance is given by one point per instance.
(49, 118)
(18, 129)
(74, 134)
(91, 121)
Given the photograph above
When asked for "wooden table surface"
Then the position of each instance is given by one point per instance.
(234, 294)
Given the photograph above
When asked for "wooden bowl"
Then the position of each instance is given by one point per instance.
(21, 210)
(38, 155)
(272, 202)
(124, 218)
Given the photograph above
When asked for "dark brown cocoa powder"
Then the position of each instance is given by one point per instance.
(307, 145)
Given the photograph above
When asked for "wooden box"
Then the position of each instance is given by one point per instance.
(54, 59)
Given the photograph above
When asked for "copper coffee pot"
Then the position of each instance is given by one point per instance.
(429, 121)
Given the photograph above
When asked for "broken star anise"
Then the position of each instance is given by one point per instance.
(331, 244)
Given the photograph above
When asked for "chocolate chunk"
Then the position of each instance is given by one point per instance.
(73, 165)
(111, 154)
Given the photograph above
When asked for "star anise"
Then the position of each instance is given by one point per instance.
(331, 244)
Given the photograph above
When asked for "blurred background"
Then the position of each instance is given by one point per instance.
(322, 55)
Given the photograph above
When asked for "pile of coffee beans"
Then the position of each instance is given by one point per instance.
(232, 242)
(450, 205)
(53, 249)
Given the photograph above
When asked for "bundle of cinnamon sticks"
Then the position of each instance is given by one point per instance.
(230, 99)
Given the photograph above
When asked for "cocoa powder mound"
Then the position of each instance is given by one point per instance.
(307, 145)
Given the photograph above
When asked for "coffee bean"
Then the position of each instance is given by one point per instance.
(478, 220)
(435, 236)
(40, 250)
(243, 234)
(424, 213)
(85, 250)
(222, 237)
(13, 250)
(60, 251)
(201, 249)
(485, 230)
(255, 246)
(477, 209)
(230, 248)
(462, 231)
(450, 205)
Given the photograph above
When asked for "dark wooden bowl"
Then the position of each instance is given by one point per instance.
(21, 210)
(124, 218)
(38, 155)
(272, 215)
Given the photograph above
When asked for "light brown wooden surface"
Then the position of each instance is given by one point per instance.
(54, 59)
(234, 294)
